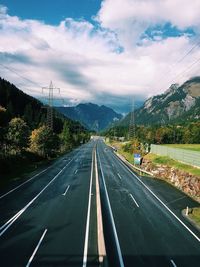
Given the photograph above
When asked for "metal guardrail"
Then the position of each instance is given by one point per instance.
(183, 155)
(133, 166)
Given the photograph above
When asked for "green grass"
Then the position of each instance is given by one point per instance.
(127, 155)
(193, 147)
(195, 215)
(156, 159)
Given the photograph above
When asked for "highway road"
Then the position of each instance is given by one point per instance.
(56, 217)
(147, 216)
(43, 222)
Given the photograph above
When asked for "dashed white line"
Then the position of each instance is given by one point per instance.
(36, 249)
(172, 213)
(119, 176)
(134, 200)
(16, 216)
(66, 190)
(173, 263)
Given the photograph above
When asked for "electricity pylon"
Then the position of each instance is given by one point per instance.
(131, 134)
(51, 89)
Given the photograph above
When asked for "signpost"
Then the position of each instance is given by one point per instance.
(137, 159)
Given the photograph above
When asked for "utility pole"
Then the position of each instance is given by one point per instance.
(131, 134)
(50, 89)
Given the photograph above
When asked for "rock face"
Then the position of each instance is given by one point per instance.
(186, 182)
(177, 104)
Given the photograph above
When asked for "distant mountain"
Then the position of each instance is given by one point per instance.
(92, 116)
(177, 104)
(19, 104)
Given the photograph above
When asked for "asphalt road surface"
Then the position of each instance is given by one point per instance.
(53, 218)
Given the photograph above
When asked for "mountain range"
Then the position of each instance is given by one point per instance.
(178, 104)
(92, 116)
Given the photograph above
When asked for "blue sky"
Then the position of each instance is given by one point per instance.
(105, 52)
(50, 11)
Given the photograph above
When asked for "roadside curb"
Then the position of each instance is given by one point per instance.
(131, 165)
(183, 212)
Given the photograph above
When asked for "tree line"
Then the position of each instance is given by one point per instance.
(16, 137)
(160, 134)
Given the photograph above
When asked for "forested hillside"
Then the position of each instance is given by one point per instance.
(24, 134)
(94, 117)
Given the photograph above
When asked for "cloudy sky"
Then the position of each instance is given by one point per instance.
(105, 52)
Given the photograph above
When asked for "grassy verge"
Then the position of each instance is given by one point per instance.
(127, 155)
(193, 147)
(195, 215)
(156, 159)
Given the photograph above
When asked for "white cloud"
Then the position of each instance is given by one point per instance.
(84, 60)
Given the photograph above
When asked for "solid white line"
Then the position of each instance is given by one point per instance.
(88, 219)
(12, 190)
(111, 215)
(16, 216)
(134, 200)
(183, 224)
(119, 176)
(66, 190)
(36, 249)
(173, 263)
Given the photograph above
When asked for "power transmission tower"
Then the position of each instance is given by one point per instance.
(95, 126)
(131, 134)
(50, 89)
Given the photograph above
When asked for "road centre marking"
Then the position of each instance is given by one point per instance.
(173, 263)
(84, 264)
(119, 176)
(112, 219)
(134, 200)
(100, 233)
(36, 249)
(66, 190)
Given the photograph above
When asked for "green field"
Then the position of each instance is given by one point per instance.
(193, 147)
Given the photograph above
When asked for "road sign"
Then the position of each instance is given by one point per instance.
(137, 159)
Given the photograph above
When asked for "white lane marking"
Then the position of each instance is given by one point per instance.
(173, 263)
(112, 219)
(12, 190)
(66, 190)
(36, 175)
(16, 216)
(183, 224)
(88, 218)
(11, 219)
(36, 249)
(119, 176)
(134, 200)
